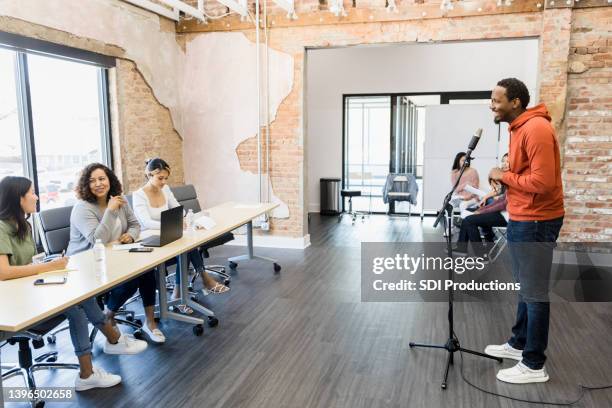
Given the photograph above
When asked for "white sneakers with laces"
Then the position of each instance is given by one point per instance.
(99, 379)
(521, 374)
(504, 351)
(127, 344)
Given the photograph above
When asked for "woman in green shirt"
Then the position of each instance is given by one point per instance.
(16, 243)
(17, 203)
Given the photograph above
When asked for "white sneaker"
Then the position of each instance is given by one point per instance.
(504, 351)
(99, 379)
(521, 374)
(155, 335)
(126, 344)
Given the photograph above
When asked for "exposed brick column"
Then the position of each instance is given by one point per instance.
(142, 128)
(588, 146)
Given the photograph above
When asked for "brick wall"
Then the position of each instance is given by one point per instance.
(587, 171)
(287, 154)
(580, 105)
(142, 128)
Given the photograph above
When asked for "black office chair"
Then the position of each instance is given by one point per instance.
(187, 197)
(53, 227)
(27, 365)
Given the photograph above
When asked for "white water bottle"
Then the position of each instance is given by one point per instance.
(100, 258)
(190, 220)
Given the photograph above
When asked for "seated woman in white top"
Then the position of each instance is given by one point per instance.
(149, 202)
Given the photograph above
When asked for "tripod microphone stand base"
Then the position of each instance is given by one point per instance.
(452, 346)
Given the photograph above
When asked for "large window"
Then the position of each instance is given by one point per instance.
(53, 120)
(11, 158)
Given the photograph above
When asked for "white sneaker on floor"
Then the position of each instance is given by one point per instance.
(504, 351)
(99, 379)
(155, 335)
(521, 374)
(126, 344)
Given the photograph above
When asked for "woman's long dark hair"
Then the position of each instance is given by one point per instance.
(12, 189)
(82, 189)
(458, 157)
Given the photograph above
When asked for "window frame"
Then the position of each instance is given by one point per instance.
(24, 46)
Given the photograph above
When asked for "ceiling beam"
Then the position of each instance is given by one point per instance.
(424, 11)
(185, 8)
(155, 8)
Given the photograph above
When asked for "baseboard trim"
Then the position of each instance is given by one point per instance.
(271, 241)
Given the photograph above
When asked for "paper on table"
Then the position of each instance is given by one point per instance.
(205, 222)
(474, 190)
(58, 271)
(126, 247)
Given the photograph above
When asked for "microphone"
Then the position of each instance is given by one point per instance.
(474, 142)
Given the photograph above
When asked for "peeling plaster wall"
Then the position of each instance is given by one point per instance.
(144, 99)
(219, 96)
(147, 39)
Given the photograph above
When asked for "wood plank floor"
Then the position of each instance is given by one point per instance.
(304, 339)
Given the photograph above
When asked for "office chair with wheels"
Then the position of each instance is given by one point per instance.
(27, 365)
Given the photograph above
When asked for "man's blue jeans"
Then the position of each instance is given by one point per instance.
(531, 245)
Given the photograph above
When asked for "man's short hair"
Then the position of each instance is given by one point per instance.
(515, 88)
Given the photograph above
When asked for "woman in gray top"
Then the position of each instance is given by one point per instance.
(102, 213)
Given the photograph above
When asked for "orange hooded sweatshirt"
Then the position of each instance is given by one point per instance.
(535, 190)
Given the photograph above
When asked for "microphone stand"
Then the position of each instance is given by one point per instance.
(452, 343)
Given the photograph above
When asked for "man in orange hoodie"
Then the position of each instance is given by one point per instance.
(535, 208)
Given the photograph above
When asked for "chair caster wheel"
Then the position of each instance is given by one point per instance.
(137, 321)
(194, 298)
(198, 330)
(277, 267)
(138, 334)
(129, 318)
(51, 339)
(226, 282)
(233, 265)
(212, 321)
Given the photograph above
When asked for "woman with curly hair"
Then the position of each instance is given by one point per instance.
(103, 213)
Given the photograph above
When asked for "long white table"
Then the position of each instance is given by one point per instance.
(23, 305)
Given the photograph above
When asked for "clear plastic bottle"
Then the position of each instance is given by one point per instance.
(190, 220)
(100, 258)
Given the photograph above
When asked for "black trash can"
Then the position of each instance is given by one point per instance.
(330, 196)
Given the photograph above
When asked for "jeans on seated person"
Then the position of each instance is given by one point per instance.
(145, 284)
(78, 318)
(470, 231)
(195, 258)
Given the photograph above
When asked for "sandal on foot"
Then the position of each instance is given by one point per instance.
(184, 309)
(217, 289)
